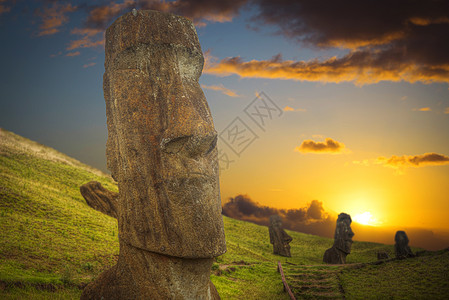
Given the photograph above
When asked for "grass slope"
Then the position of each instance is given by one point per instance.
(52, 244)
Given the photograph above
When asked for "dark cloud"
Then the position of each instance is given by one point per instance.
(101, 16)
(387, 40)
(414, 160)
(311, 219)
(198, 10)
(399, 40)
(351, 23)
(315, 210)
(361, 66)
(328, 146)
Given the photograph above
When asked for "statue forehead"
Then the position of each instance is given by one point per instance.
(149, 28)
(139, 56)
(275, 218)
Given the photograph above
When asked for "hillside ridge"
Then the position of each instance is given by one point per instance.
(52, 243)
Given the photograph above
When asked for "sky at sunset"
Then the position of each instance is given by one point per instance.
(343, 102)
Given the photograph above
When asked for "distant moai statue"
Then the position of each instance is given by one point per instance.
(401, 247)
(342, 241)
(161, 150)
(278, 237)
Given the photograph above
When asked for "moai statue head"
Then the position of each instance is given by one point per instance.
(401, 238)
(278, 237)
(161, 145)
(343, 233)
(401, 246)
(275, 221)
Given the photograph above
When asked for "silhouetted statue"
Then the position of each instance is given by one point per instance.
(278, 237)
(162, 151)
(342, 241)
(401, 247)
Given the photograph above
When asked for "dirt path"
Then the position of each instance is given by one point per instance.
(314, 281)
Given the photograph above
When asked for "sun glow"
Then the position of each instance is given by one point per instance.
(365, 219)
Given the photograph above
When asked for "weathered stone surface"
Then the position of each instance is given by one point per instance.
(278, 237)
(146, 275)
(100, 198)
(401, 248)
(161, 139)
(342, 241)
(162, 151)
(334, 256)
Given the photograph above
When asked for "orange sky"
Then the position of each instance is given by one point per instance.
(355, 166)
(359, 91)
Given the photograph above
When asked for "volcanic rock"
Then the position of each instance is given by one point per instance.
(161, 150)
(278, 237)
(401, 247)
(342, 241)
(100, 198)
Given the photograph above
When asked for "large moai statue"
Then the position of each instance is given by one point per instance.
(278, 237)
(401, 247)
(161, 150)
(342, 241)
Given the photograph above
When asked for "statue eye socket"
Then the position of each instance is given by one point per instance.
(175, 145)
(191, 146)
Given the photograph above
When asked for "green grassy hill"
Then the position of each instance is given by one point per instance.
(52, 244)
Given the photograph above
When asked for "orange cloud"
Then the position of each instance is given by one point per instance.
(73, 53)
(101, 15)
(446, 111)
(288, 108)
(423, 109)
(198, 10)
(56, 54)
(428, 21)
(426, 159)
(53, 18)
(86, 41)
(89, 65)
(328, 146)
(364, 162)
(86, 31)
(360, 67)
(221, 89)
(96, 23)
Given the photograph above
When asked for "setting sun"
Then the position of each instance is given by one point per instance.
(365, 219)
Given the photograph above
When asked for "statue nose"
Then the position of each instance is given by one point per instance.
(190, 129)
